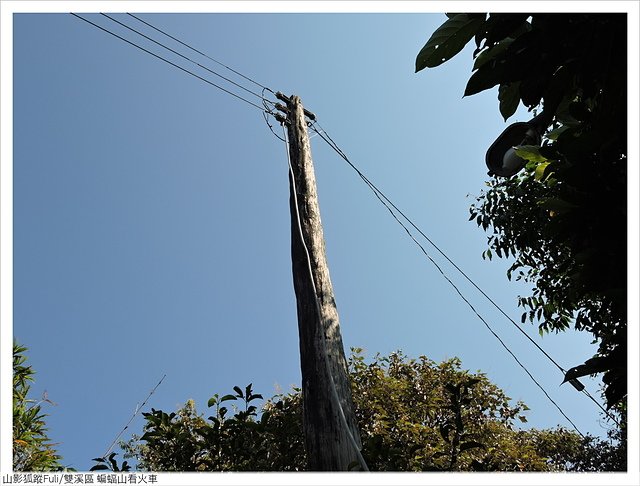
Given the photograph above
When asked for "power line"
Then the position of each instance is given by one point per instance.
(169, 62)
(437, 248)
(385, 200)
(389, 205)
(182, 56)
(138, 408)
(201, 53)
(606, 412)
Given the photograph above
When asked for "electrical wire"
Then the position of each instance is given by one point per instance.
(334, 392)
(201, 53)
(455, 287)
(383, 198)
(606, 412)
(168, 62)
(391, 207)
(266, 119)
(184, 57)
(133, 416)
(437, 248)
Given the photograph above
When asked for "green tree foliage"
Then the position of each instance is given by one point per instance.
(32, 448)
(228, 440)
(110, 463)
(414, 415)
(563, 218)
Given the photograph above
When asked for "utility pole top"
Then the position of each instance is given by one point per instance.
(287, 100)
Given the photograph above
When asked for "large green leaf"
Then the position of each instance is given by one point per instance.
(449, 39)
(530, 153)
(485, 77)
(590, 367)
(501, 26)
(556, 132)
(491, 53)
(509, 97)
(540, 170)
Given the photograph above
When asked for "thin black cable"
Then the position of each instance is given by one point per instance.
(481, 318)
(266, 120)
(168, 62)
(201, 53)
(606, 412)
(437, 248)
(377, 191)
(138, 408)
(185, 57)
(380, 196)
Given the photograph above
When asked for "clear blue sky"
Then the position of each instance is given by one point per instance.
(151, 220)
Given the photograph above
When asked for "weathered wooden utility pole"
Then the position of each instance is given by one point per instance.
(332, 440)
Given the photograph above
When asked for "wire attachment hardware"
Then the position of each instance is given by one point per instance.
(281, 107)
(281, 118)
(287, 100)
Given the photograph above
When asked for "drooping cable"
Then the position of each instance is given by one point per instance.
(168, 62)
(269, 111)
(436, 247)
(391, 209)
(334, 391)
(201, 53)
(383, 198)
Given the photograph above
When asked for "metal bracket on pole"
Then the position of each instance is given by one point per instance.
(281, 107)
(287, 100)
(281, 118)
